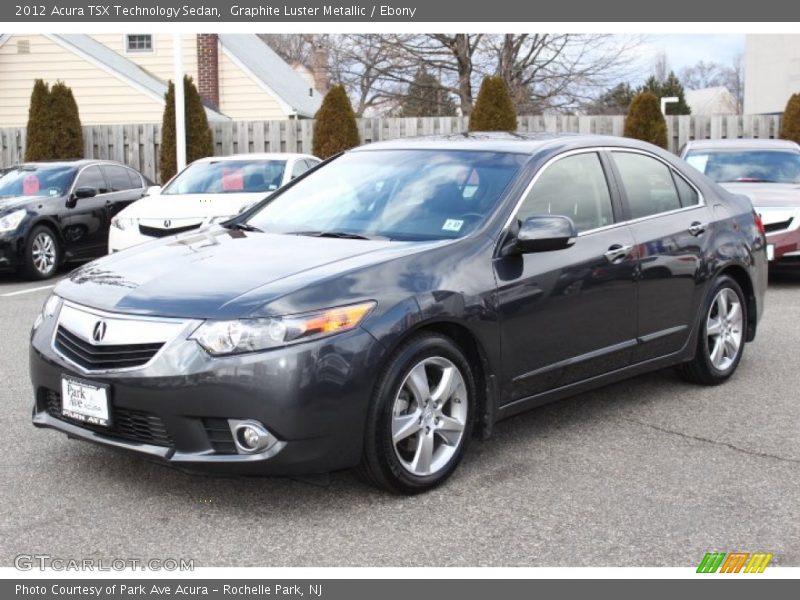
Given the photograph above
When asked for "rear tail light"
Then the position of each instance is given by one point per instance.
(759, 223)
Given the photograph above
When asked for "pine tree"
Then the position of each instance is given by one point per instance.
(335, 126)
(37, 145)
(66, 135)
(670, 87)
(790, 125)
(426, 97)
(199, 138)
(645, 121)
(494, 110)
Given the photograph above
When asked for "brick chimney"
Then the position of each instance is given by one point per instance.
(208, 68)
(320, 69)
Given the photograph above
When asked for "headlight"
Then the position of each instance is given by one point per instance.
(50, 308)
(248, 335)
(122, 223)
(11, 221)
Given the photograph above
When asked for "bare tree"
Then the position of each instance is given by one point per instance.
(294, 48)
(660, 68)
(556, 71)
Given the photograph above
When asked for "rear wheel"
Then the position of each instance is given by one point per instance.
(421, 419)
(721, 339)
(42, 254)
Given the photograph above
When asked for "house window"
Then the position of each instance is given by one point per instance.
(23, 47)
(139, 42)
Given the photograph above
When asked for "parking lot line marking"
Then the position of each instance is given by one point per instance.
(28, 291)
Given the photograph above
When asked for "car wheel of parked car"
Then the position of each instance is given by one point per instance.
(720, 344)
(421, 419)
(42, 254)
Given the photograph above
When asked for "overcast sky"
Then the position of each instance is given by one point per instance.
(687, 50)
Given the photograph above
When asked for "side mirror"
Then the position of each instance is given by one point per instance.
(84, 192)
(542, 233)
(153, 190)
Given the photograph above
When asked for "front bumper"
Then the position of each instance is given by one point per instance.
(313, 397)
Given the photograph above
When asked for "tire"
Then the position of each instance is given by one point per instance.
(42, 254)
(432, 421)
(718, 354)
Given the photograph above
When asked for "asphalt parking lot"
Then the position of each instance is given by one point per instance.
(650, 472)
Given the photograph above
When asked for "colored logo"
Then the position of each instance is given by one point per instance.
(734, 562)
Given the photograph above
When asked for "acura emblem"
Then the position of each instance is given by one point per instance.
(167, 224)
(99, 331)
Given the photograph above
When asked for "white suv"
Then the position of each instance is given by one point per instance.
(207, 191)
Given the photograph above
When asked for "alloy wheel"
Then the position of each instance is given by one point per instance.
(43, 252)
(724, 329)
(429, 416)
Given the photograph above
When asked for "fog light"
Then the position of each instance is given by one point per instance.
(251, 436)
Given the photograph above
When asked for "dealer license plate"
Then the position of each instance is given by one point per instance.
(85, 401)
(770, 251)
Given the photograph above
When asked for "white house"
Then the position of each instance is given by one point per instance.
(712, 101)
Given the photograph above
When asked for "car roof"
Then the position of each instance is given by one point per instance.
(742, 144)
(78, 162)
(520, 143)
(257, 156)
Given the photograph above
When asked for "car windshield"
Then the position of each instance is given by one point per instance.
(747, 166)
(394, 194)
(228, 177)
(37, 181)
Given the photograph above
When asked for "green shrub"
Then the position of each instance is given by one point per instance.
(37, 144)
(645, 121)
(790, 126)
(335, 127)
(494, 110)
(66, 135)
(199, 138)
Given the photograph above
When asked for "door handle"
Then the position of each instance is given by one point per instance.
(617, 252)
(697, 228)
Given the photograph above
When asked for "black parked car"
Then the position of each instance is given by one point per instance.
(52, 212)
(399, 300)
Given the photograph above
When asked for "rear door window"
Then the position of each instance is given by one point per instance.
(648, 184)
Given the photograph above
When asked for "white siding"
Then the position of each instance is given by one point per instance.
(101, 96)
(242, 97)
(772, 72)
(159, 61)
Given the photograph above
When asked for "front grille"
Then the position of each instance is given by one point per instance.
(92, 357)
(780, 226)
(126, 424)
(219, 435)
(157, 232)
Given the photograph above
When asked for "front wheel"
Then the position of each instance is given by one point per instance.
(421, 419)
(721, 339)
(42, 254)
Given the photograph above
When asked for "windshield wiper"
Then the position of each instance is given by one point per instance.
(243, 227)
(345, 235)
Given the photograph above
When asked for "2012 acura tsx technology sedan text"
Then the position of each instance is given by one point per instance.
(384, 309)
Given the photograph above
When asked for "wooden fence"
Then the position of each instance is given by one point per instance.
(138, 145)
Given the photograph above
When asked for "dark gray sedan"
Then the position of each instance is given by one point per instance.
(384, 309)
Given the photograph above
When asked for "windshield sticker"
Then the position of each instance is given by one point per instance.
(452, 225)
(232, 179)
(698, 161)
(30, 185)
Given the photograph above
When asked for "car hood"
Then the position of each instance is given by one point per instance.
(185, 206)
(218, 273)
(782, 195)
